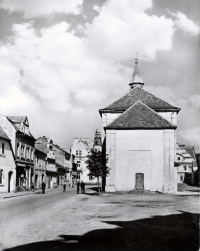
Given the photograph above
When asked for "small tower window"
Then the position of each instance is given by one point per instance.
(80, 152)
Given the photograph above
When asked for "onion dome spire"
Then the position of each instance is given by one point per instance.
(136, 79)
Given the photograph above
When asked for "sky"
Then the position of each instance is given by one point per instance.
(61, 61)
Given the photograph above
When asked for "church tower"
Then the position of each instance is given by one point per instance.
(136, 79)
(97, 141)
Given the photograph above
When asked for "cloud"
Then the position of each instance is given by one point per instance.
(185, 24)
(56, 75)
(122, 28)
(35, 8)
(190, 137)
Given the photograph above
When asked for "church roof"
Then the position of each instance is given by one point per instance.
(3, 134)
(139, 94)
(139, 116)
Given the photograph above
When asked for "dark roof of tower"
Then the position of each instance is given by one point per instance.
(3, 134)
(140, 116)
(139, 94)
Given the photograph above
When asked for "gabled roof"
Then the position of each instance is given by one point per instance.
(17, 119)
(3, 134)
(189, 149)
(139, 94)
(140, 116)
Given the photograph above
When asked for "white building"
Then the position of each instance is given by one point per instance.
(186, 161)
(81, 149)
(7, 164)
(138, 131)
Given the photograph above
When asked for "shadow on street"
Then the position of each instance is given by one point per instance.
(165, 233)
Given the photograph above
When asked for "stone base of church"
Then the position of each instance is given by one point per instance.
(110, 189)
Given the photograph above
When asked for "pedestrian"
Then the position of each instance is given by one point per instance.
(78, 186)
(43, 187)
(64, 186)
(32, 187)
(82, 187)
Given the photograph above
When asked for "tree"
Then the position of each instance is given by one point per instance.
(96, 163)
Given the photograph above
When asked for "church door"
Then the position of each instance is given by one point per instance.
(139, 181)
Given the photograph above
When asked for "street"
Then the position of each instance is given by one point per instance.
(122, 221)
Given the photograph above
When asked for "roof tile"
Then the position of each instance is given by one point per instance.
(139, 116)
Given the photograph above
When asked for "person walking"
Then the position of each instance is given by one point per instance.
(78, 186)
(82, 187)
(43, 187)
(32, 187)
(64, 186)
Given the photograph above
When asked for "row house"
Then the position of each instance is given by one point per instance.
(186, 163)
(22, 143)
(7, 164)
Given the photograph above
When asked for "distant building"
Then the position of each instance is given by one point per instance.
(138, 133)
(45, 145)
(22, 141)
(81, 149)
(7, 164)
(186, 161)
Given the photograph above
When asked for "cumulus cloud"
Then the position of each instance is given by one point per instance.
(54, 71)
(190, 137)
(35, 8)
(185, 24)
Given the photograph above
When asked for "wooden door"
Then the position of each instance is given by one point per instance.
(139, 181)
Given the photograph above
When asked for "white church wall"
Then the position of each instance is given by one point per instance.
(169, 116)
(170, 172)
(142, 148)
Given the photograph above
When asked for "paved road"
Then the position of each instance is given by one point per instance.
(60, 221)
(20, 217)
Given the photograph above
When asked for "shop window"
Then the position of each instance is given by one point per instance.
(2, 149)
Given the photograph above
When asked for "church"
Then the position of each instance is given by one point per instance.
(139, 138)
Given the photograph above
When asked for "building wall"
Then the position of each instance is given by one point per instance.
(140, 151)
(170, 116)
(9, 130)
(7, 168)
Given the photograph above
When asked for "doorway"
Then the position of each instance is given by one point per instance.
(10, 182)
(139, 181)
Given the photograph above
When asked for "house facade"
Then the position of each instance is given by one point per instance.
(7, 164)
(186, 164)
(138, 135)
(22, 141)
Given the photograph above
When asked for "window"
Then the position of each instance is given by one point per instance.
(178, 158)
(76, 152)
(79, 163)
(181, 178)
(90, 177)
(80, 152)
(185, 168)
(2, 148)
(1, 176)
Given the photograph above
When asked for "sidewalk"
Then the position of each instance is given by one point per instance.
(186, 193)
(38, 191)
